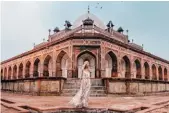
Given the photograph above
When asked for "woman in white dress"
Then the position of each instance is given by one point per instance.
(81, 98)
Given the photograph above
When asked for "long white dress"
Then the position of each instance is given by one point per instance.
(81, 97)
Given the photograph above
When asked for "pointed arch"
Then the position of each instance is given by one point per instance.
(137, 68)
(126, 67)
(36, 68)
(5, 73)
(89, 56)
(63, 63)
(27, 69)
(14, 72)
(47, 66)
(111, 65)
(9, 73)
(146, 70)
(20, 75)
(160, 73)
(2, 73)
(154, 72)
(165, 74)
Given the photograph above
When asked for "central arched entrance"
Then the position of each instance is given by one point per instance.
(92, 61)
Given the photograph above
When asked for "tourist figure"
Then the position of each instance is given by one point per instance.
(80, 100)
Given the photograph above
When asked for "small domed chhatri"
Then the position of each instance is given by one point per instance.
(116, 65)
(83, 17)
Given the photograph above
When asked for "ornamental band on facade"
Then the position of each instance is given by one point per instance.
(120, 65)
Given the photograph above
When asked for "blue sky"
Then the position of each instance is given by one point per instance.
(25, 23)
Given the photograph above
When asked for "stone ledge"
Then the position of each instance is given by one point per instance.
(134, 80)
(35, 78)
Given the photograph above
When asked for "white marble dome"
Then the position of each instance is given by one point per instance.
(96, 20)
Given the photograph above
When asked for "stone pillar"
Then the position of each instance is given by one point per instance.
(7, 72)
(157, 73)
(162, 73)
(23, 72)
(54, 64)
(133, 75)
(31, 68)
(151, 74)
(142, 69)
(11, 72)
(17, 71)
(41, 66)
(119, 68)
(102, 49)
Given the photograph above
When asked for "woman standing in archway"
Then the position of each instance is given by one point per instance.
(81, 97)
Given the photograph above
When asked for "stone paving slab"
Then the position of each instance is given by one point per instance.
(56, 102)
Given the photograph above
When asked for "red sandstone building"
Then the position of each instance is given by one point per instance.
(123, 66)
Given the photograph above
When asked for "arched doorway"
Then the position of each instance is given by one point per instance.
(15, 72)
(160, 73)
(110, 65)
(27, 69)
(154, 72)
(2, 74)
(9, 73)
(63, 63)
(146, 70)
(20, 71)
(165, 74)
(137, 69)
(47, 66)
(125, 67)
(36, 68)
(92, 63)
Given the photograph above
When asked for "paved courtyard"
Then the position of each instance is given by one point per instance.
(44, 103)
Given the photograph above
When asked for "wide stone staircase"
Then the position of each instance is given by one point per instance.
(72, 85)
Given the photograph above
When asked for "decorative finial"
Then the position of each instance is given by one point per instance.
(33, 44)
(49, 31)
(43, 39)
(88, 9)
(127, 31)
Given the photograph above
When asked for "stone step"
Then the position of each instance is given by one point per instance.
(72, 85)
(77, 84)
(76, 90)
(77, 81)
(91, 95)
(65, 86)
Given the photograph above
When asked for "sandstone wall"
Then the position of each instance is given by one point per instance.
(34, 87)
(116, 86)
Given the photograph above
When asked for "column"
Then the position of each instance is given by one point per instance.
(102, 48)
(41, 66)
(157, 72)
(54, 64)
(142, 69)
(23, 72)
(31, 68)
(150, 68)
(162, 73)
(119, 67)
(11, 72)
(17, 71)
(7, 73)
